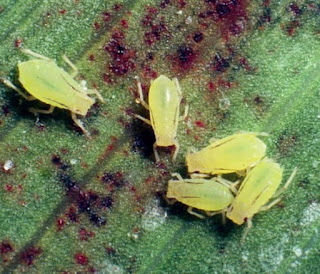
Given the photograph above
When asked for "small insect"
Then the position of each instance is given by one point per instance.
(234, 153)
(164, 103)
(258, 187)
(50, 84)
(210, 195)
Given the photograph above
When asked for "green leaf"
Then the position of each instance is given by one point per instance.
(70, 203)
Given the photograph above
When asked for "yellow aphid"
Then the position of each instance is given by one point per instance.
(210, 195)
(164, 103)
(234, 153)
(50, 84)
(258, 187)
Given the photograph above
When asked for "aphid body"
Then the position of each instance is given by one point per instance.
(164, 104)
(210, 195)
(258, 187)
(50, 84)
(234, 153)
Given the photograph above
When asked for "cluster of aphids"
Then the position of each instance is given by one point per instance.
(207, 190)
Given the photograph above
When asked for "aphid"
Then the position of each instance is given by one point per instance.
(164, 103)
(210, 195)
(234, 153)
(258, 187)
(50, 84)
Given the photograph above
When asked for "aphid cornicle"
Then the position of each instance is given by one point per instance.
(259, 186)
(50, 84)
(234, 153)
(164, 103)
(210, 195)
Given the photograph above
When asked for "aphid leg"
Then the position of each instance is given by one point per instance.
(267, 207)
(32, 53)
(185, 114)
(177, 146)
(147, 121)
(199, 175)
(141, 99)
(190, 211)
(245, 233)
(96, 92)
(43, 111)
(170, 201)
(12, 86)
(191, 150)
(212, 213)
(79, 124)
(177, 175)
(75, 69)
(212, 140)
(156, 154)
(286, 185)
(265, 134)
(228, 184)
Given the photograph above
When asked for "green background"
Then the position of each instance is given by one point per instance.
(95, 205)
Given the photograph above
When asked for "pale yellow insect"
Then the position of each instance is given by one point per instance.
(50, 84)
(210, 195)
(164, 103)
(234, 153)
(258, 187)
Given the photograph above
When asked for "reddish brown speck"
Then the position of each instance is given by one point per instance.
(152, 10)
(72, 214)
(60, 224)
(17, 43)
(106, 16)
(91, 57)
(292, 27)
(5, 247)
(107, 79)
(199, 124)
(96, 25)
(124, 23)
(185, 57)
(117, 7)
(220, 64)
(81, 259)
(62, 11)
(294, 8)
(30, 254)
(84, 234)
(164, 3)
(110, 250)
(211, 86)
(182, 3)
(198, 37)
(9, 187)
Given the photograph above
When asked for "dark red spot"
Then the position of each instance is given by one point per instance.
(110, 250)
(198, 37)
(5, 247)
(223, 9)
(155, 33)
(181, 3)
(113, 180)
(200, 124)
(81, 259)
(294, 8)
(292, 27)
(91, 57)
(106, 202)
(96, 25)
(123, 58)
(185, 57)
(117, 7)
(106, 16)
(62, 11)
(107, 79)
(30, 255)
(17, 43)
(85, 235)
(60, 224)
(150, 56)
(211, 86)
(258, 100)
(9, 187)
(72, 214)
(164, 3)
(220, 64)
(124, 23)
